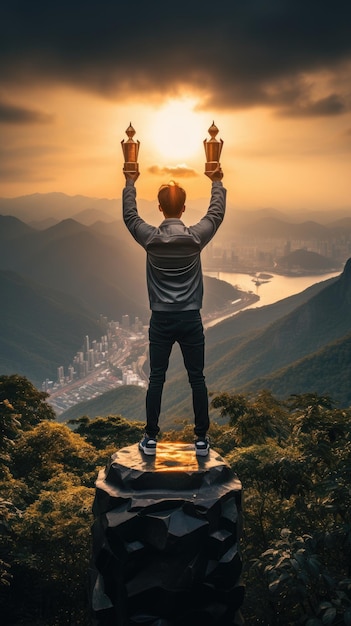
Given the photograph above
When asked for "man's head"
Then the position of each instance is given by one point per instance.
(171, 199)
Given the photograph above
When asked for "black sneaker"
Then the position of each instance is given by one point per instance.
(202, 446)
(148, 445)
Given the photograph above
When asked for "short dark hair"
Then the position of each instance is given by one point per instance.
(171, 198)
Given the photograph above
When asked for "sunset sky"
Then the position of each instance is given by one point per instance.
(274, 75)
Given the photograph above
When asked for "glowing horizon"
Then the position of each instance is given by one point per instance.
(283, 111)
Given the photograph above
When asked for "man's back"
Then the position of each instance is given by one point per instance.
(174, 274)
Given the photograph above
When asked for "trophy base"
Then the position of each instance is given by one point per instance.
(131, 166)
(210, 166)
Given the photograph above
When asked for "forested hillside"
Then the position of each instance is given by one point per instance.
(327, 370)
(249, 350)
(130, 400)
(293, 459)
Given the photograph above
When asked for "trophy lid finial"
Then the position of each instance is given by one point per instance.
(213, 130)
(130, 132)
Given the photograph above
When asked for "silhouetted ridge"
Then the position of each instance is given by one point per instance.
(11, 227)
(344, 282)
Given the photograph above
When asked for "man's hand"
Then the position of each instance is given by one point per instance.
(131, 175)
(216, 174)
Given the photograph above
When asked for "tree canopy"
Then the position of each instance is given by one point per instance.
(293, 458)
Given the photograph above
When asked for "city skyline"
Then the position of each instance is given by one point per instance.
(100, 365)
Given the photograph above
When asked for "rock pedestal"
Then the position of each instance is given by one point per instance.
(166, 540)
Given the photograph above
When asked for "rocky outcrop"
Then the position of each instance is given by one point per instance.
(166, 540)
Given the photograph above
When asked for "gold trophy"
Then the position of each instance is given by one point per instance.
(213, 149)
(130, 150)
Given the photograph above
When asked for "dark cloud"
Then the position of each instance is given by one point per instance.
(237, 54)
(334, 104)
(12, 114)
(331, 105)
(181, 171)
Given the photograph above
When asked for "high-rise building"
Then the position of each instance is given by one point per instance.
(91, 359)
(79, 358)
(60, 375)
(125, 322)
(86, 346)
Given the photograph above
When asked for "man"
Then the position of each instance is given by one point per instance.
(175, 288)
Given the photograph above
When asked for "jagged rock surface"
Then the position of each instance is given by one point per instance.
(166, 540)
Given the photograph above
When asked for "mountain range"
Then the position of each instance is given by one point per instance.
(57, 283)
(57, 280)
(44, 210)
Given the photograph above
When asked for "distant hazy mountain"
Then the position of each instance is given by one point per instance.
(12, 228)
(277, 228)
(90, 216)
(43, 210)
(101, 265)
(57, 282)
(41, 206)
(306, 260)
(104, 270)
(340, 226)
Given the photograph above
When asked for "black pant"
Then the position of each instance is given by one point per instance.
(184, 327)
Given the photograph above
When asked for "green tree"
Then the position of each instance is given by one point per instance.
(8, 513)
(28, 403)
(299, 481)
(48, 551)
(253, 421)
(112, 430)
(46, 451)
(9, 430)
(300, 588)
(293, 458)
(53, 547)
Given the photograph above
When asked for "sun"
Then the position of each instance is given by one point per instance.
(177, 130)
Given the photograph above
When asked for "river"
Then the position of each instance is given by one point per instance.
(269, 290)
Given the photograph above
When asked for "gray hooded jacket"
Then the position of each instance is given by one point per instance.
(173, 265)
